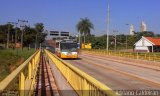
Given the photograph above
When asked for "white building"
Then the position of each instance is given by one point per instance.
(147, 44)
(132, 30)
(143, 27)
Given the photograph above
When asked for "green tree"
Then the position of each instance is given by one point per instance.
(4, 29)
(39, 27)
(99, 42)
(145, 33)
(29, 36)
(84, 27)
(3, 33)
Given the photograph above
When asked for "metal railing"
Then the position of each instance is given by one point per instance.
(81, 82)
(133, 55)
(27, 77)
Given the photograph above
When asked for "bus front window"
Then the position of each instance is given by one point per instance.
(69, 47)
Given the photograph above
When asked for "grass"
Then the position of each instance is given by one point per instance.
(10, 59)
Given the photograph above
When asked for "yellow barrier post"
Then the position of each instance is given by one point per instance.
(29, 70)
(86, 88)
(21, 84)
(33, 64)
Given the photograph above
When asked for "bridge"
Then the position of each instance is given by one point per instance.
(95, 73)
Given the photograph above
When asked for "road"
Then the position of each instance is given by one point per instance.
(117, 75)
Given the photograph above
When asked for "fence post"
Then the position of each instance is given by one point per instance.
(154, 57)
(149, 57)
(137, 56)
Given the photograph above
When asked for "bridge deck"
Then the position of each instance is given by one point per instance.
(45, 85)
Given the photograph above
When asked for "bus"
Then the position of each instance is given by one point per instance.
(67, 49)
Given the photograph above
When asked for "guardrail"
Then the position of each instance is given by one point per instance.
(81, 82)
(133, 55)
(27, 77)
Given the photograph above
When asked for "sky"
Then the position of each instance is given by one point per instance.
(63, 15)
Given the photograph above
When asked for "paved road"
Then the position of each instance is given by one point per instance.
(118, 76)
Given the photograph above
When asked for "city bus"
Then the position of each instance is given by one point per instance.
(66, 49)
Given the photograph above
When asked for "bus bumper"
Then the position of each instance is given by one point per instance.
(68, 56)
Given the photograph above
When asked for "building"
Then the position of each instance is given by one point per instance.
(143, 27)
(147, 44)
(54, 35)
(132, 30)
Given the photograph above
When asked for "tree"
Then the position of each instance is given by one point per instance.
(145, 33)
(98, 42)
(39, 27)
(84, 27)
(29, 36)
(4, 35)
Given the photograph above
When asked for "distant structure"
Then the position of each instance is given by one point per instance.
(132, 30)
(55, 35)
(147, 44)
(143, 27)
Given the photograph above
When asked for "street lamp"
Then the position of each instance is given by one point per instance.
(108, 26)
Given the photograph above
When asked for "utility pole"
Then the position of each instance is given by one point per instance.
(79, 35)
(115, 39)
(22, 25)
(108, 25)
(126, 39)
(15, 24)
(8, 35)
(15, 33)
(126, 42)
(36, 41)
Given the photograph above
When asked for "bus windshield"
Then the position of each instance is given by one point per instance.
(68, 47)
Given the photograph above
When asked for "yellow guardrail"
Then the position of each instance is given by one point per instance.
(81, 82)
(134, 55)
(27, 77)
